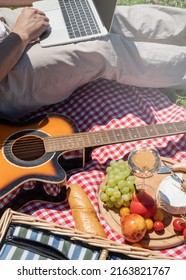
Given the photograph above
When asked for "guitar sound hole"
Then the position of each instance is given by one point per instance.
(28, 148)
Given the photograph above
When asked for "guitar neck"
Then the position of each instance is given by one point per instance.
(105, 137)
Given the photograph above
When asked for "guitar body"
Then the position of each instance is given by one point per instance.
(41, 149)
(32, 162)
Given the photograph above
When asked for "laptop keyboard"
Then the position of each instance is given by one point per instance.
(79, 18)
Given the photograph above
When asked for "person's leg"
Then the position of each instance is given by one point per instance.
(9, 16)
(151, 23)
(155, 45)
(45, 76)
(49, 75)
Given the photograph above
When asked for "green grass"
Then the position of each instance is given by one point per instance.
(175, 95)
(174, 3)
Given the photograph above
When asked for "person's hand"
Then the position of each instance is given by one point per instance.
(30, 24)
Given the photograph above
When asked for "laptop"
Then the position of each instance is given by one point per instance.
(75, 20)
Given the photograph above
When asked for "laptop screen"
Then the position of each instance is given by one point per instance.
(106, 10)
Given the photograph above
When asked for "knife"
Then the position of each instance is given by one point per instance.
(164, 170)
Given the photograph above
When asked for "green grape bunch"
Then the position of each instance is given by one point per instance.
(118, 190)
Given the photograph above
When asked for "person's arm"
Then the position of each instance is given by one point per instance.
(29, 26)
(16, 3)
(11, 49)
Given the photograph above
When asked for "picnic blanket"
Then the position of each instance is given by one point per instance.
(106, 104)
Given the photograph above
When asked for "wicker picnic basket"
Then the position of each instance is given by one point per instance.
(105, 246)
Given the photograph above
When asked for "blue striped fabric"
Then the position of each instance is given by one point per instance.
(69, 248)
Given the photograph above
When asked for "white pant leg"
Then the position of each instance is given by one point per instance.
(9, 16)
(156, 38)
(151, 23)
(48, 75)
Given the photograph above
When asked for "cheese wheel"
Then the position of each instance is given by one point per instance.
(83, 212)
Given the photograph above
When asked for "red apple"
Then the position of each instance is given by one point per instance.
(133, 227)
(143, 204)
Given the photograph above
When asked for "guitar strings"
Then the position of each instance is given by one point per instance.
(79, 137)
(35, 144)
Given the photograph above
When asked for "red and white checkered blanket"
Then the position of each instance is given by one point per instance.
(106, 104)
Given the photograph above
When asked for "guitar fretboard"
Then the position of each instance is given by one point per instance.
(105, 137)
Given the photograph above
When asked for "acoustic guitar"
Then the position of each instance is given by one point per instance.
(33, 150)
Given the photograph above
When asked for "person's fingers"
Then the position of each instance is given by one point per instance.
(42, 15)
(39, 12)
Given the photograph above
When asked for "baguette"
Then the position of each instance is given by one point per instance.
(83, 212)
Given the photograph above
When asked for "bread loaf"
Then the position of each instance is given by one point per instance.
(83, 212)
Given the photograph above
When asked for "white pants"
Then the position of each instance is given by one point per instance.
(146, 48)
